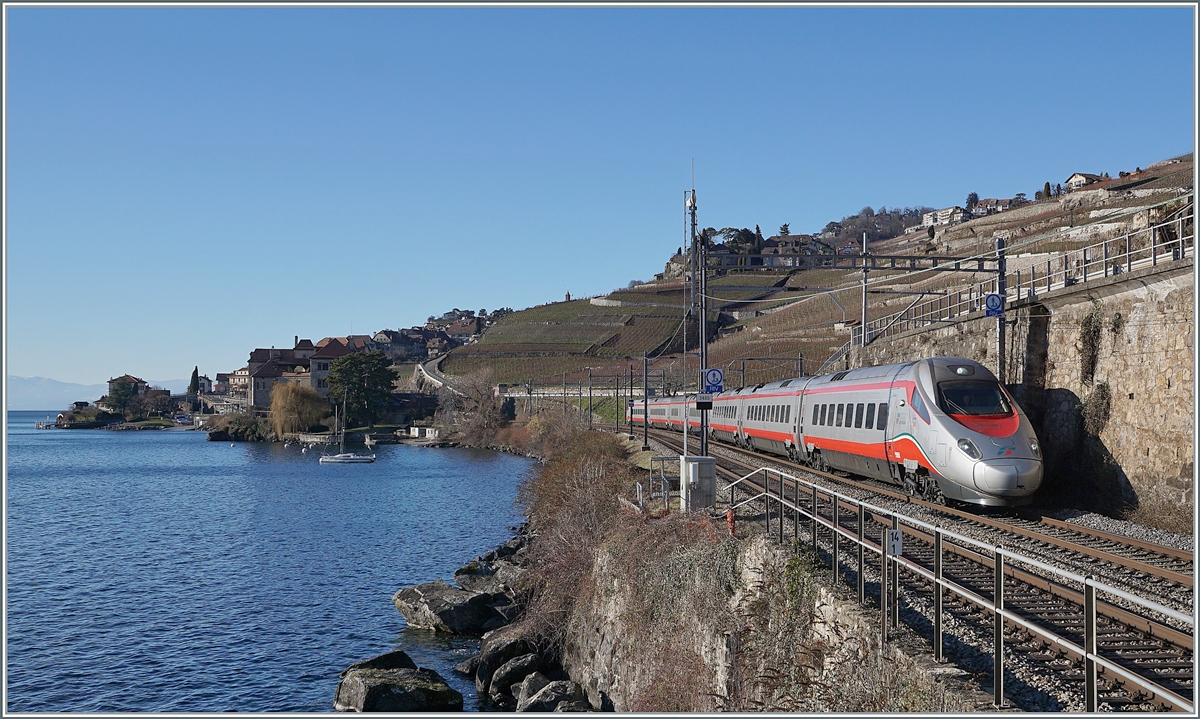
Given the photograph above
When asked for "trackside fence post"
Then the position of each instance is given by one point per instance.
(998, 632)
(796, 502)
(781, 497)
(895, 580)
(937, 596)
(861, 558)
(814, 517)
(883, 585)
(1089, 644)
(836, 537)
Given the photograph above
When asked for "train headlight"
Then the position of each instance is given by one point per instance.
(1035, 447)
(968, 448)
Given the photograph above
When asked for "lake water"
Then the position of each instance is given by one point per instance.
(157, 571)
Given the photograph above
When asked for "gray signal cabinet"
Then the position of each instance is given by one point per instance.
(697, 483)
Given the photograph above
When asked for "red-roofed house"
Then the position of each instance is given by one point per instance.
(327, 351)
(139, 385)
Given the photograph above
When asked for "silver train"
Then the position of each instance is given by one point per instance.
(943, 428)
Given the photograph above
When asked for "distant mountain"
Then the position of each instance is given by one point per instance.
(43, 393)
(49, 394)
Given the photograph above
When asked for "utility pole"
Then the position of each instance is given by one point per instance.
(589, 397)
(800, 364)
(645, 401)
(702, 291)
(743, 373)
(1002, 290)
(617, 406)
(629, 388)
(564, 395)
(862, 326)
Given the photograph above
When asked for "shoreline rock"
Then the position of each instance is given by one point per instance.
(392, 682)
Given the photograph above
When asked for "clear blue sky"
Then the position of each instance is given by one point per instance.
(186, 184)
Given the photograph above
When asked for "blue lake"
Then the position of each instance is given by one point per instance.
(157, 571)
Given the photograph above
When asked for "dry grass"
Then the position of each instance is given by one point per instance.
(674, 588)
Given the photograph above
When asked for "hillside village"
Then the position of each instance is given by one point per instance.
(249, 388)
(766, 314)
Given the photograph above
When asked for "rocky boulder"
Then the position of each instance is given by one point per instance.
(531, 685)
(392, 682)
(498, 647)
(510, 673)
(444, 607)
(550, 696)
(467, 667)
(491, 577)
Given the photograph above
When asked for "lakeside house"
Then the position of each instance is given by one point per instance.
(139, 385)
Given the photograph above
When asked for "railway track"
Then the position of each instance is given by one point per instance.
(1155, 647)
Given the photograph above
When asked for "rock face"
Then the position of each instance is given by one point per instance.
(444, 607)
(392, 682)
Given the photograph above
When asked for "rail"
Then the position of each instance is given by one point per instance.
(892, 565)
(1169, 240)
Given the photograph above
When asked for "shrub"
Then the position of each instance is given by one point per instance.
(296, 408)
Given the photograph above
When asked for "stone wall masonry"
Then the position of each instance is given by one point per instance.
(1139, 451)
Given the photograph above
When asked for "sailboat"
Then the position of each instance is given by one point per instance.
(344, 457)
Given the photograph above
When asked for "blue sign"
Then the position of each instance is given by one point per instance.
(713, 381)
(993, 305)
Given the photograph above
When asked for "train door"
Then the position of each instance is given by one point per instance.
(898, 430)
(798, 427)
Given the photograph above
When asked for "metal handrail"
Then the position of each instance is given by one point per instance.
(1062, 269)
(1092, 658)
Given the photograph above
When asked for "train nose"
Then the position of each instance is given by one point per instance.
(1008, 476)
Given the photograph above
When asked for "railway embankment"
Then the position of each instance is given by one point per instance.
(616, 611)
(1104, 370)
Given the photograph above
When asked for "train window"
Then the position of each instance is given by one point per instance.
(882, 423)
(840, 409)
(972, 396)
(777, 415)
(821, 421)
(787, 413)
(918, 405)
(858, 415)
(869, 422)
(816, 413)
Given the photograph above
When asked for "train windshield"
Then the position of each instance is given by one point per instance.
(972, 397)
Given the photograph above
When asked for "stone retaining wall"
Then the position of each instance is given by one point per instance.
(1131, 334)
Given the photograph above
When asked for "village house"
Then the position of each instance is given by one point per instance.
(990, 206)
(1081, 179)
(946, 216)
(221, 383)
(239, 381)
(328, 350)
(139, 385)
(463, 330)
(264, 379)
(206, 385)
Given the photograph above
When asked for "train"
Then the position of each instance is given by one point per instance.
(943, 429)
